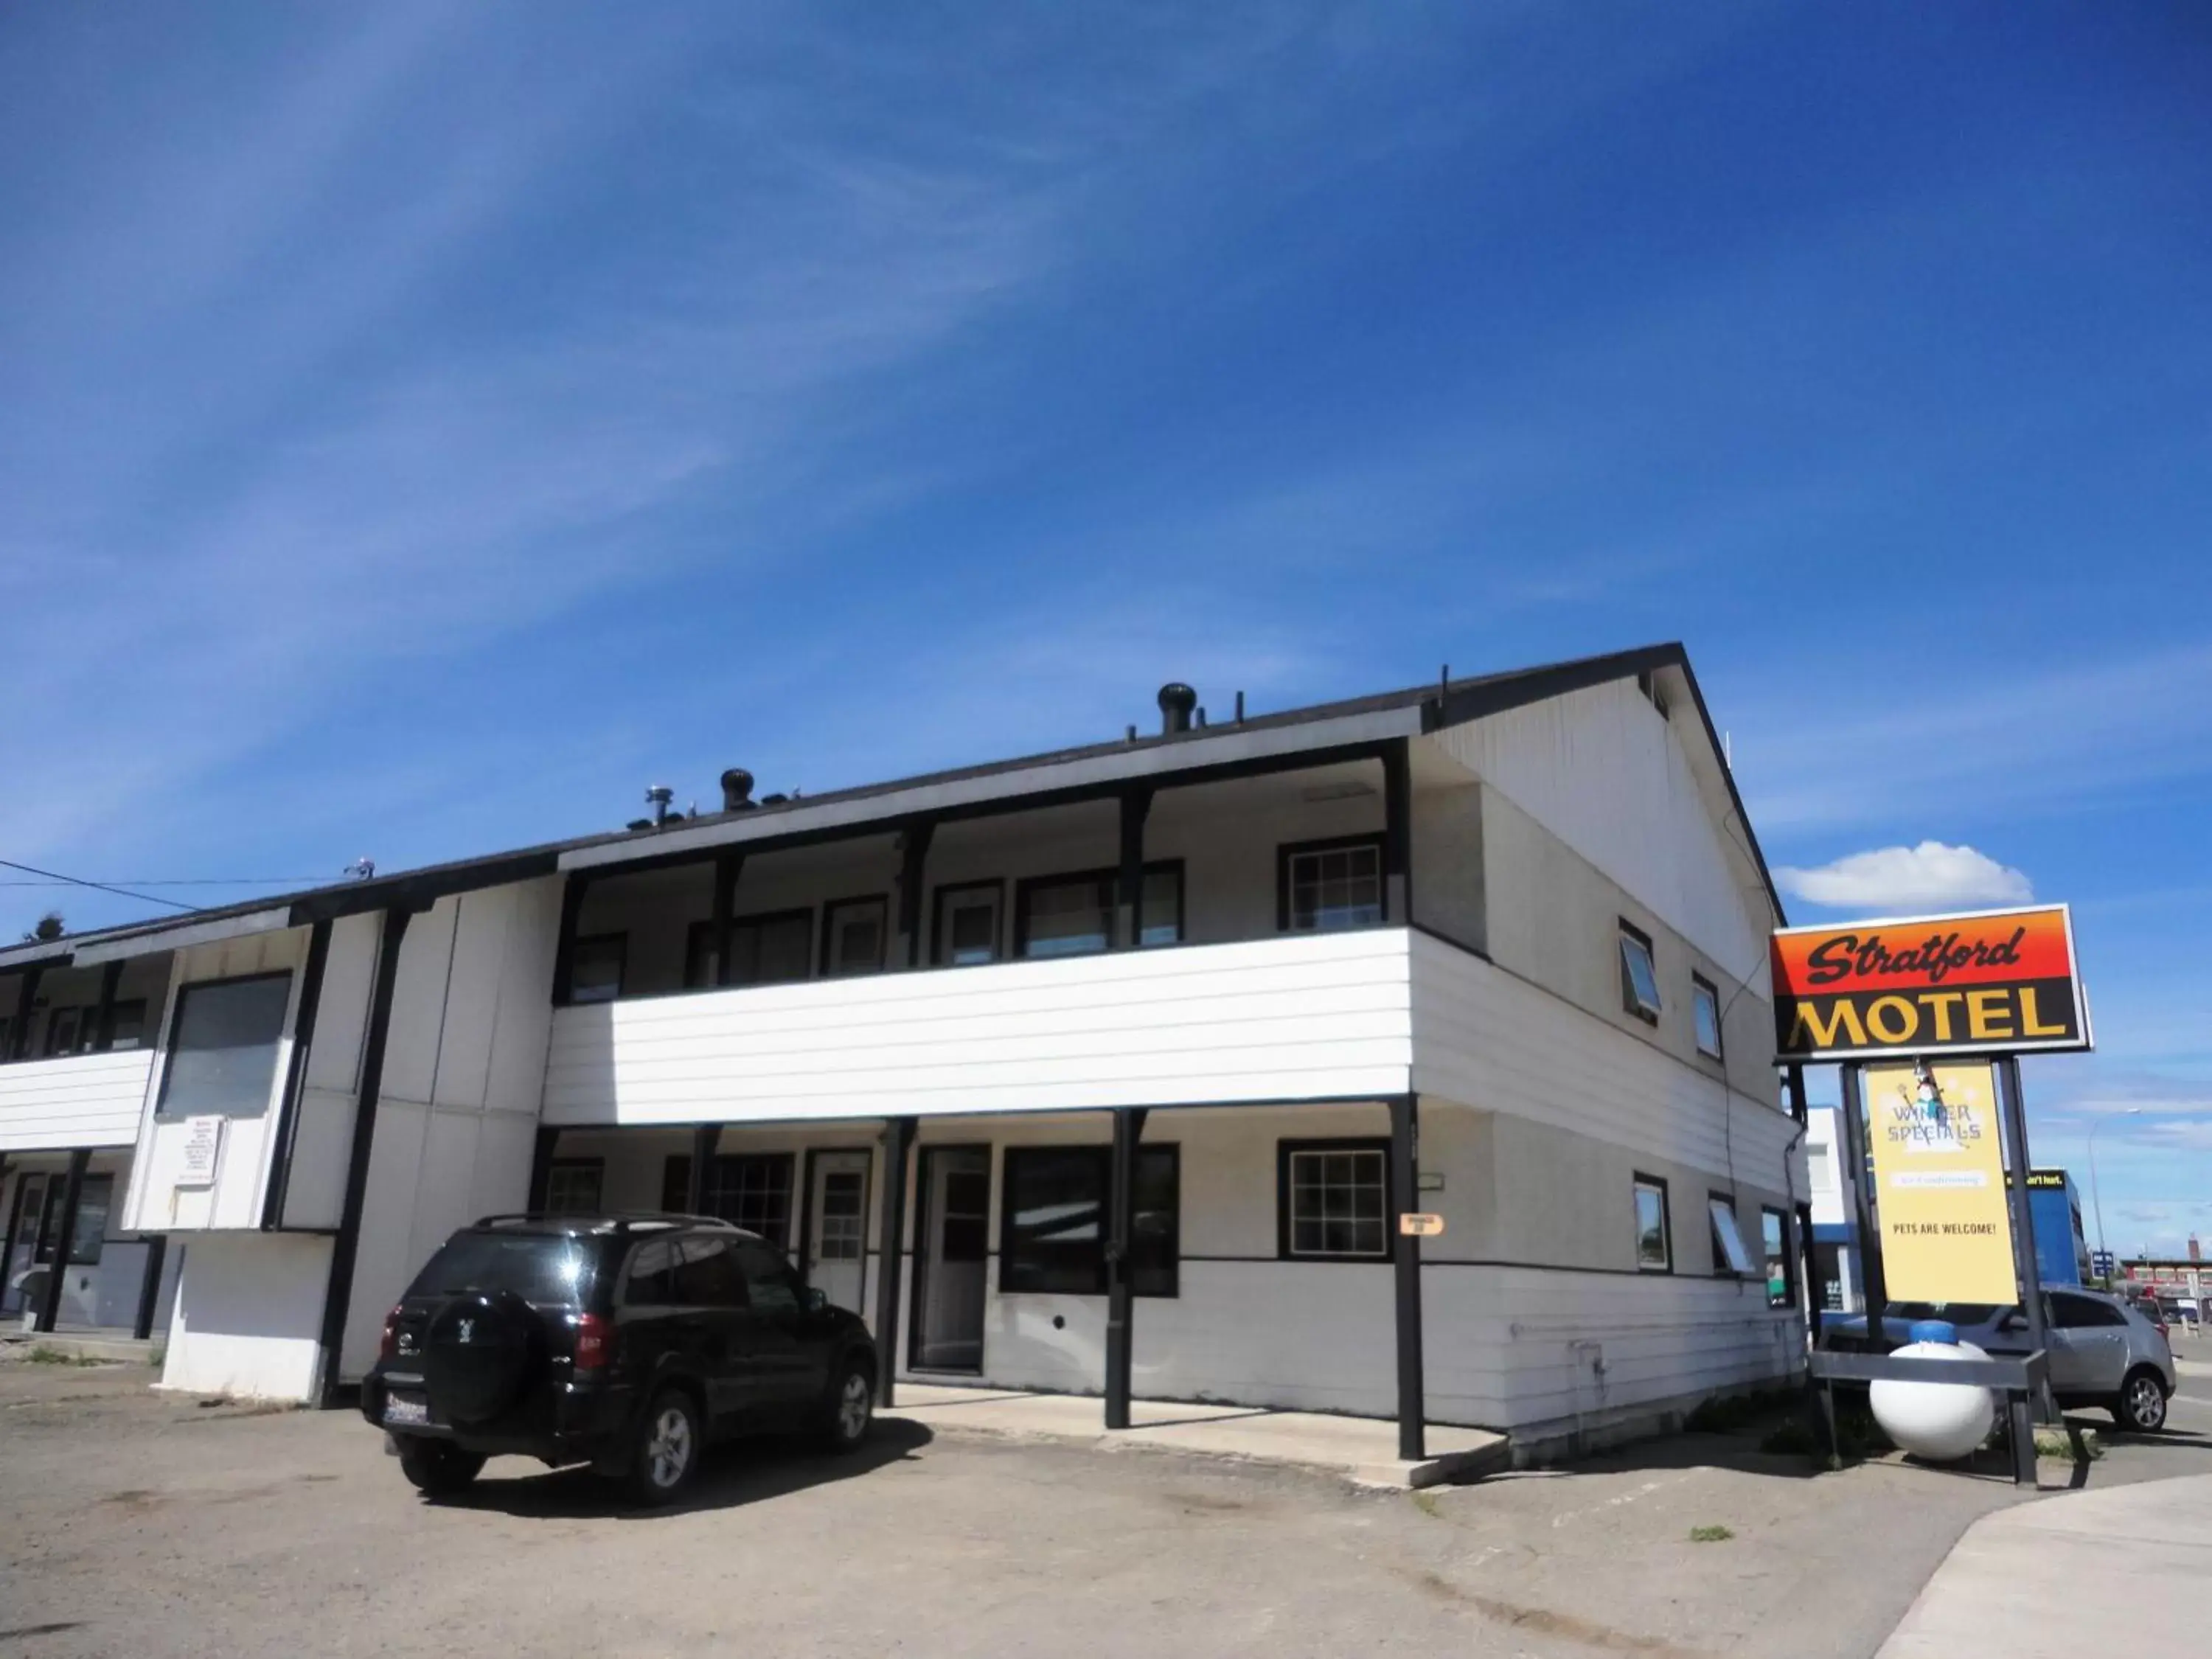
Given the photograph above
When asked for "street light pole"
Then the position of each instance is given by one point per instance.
(2096, 1196)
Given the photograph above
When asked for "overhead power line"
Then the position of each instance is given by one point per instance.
(56, 876)
(174, 881)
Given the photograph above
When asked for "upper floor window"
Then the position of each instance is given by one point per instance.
(1074, 915)
(1730, 1257)
(854, 933)
(968, 929)
(1639, 977)
(1654, 1246)
(1774, 1241)
(1706, 1007)
(1327, 884)
(222, 1059)
(764, 949)
(595, 967)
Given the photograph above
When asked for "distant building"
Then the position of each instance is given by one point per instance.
(1835, 1224)
(2062, 1250)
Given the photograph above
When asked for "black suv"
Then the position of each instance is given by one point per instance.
(624, 1341)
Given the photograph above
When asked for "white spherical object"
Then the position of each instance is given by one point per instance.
(1937, 1420)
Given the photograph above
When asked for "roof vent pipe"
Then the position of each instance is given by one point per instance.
(737, 791)
(1177, 702)
(659, 796)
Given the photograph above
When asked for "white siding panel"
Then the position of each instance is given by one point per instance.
(81, 1100)
(1602, 771)
(1284, 1019)
(1488, 1039)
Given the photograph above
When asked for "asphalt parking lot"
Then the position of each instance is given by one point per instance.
(138, 1523)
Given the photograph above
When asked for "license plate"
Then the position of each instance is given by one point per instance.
(406, 1408)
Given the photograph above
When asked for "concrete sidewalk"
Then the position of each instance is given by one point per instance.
(1362, 1449)
(2116, 1571)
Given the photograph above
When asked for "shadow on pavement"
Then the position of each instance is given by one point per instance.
(741, 1473)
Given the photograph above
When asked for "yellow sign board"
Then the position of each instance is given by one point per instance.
(1939, 1181)
(1415, 1225)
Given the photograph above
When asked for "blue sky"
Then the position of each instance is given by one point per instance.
(422, 426)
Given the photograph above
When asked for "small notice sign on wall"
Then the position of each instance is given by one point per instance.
(1421, 1226)
(202, 1142)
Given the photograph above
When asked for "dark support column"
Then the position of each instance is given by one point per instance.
(1873, 1289)
(72, 1189)
(727, 871)
(1122, 1228)
(564, 948)
(1405, 1262)
(337, 1294)
(26, 993)
(2023, 1215)
(898, 1153)
(103, 1033)
(541, 1167)
(1398, 835)
(912, 874)
(149, 1287)
(1129, 899)
(704, 1139)
(296, 1075)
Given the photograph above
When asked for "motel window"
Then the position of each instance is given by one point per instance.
(772, 950)
(595, 968)
(853, 934)
(1731, 1258)
(222, 1056)
(1639, 977)
(1705, 1005)
(764, 949)
(1054, 1222)
(93, 1198)
(573, 1184)
(1075, 915)
(64, 1026)
(967, 931)
(1774, 1243)
(1654, 1252)
(130, 1023)
(1325, 885)
(1334, 1203)
(750, 1190)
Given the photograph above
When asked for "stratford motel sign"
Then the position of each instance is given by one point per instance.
(1998, 982)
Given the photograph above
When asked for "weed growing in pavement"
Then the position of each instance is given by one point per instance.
(1710, 1534)
(46, 1356)
(1429, 1505)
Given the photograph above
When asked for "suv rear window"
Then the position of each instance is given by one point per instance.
(540, 1267)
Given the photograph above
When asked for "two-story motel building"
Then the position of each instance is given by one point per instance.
(1238, 994)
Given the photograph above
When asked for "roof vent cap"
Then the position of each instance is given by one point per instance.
(1177, 702)
(737, 791)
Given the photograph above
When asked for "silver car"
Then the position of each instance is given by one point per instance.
(2103, 1353)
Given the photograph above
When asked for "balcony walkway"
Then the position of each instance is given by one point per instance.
(1364, 1450)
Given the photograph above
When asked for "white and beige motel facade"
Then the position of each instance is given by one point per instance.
(1105, 1071)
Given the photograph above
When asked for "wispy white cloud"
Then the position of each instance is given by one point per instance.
(2028, 742)
(1928, 876)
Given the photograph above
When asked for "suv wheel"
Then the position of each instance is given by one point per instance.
(668, 1447)
(848, 1408)
(2141, 1404)
(437, 1468)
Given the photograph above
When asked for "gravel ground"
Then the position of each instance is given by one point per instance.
(144, 1524)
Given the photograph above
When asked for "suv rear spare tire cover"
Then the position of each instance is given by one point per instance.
(477, 1354)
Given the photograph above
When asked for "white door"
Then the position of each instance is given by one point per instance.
(837, 1240)
(955, 1186)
